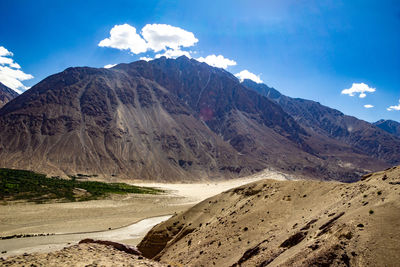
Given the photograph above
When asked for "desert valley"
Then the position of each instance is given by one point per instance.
(170, 155)
(180, 121)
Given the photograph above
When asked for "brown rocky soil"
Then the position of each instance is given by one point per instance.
(81, 255)
(287, 223)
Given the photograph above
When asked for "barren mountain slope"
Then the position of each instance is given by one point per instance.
(99, 121)
(287, 223)
(256, 128)
(389, 126)
(6, 95)
(317, 119)
(162, 120)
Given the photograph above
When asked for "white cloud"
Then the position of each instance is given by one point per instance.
(217, 61)
(391, 108)
(358, 88)
(146, 58)
(6, 60)
(155, 37)
(12, 78)
(368, 106)
(174, 54)
(163, 39)
(5, 52)
(124, 37)
(10, 73)
(245, 74)
(162, 36)
(109, 66)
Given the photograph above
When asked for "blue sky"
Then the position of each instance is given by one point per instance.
(307, 49)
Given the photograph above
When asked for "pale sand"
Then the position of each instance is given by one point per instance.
(75, 220)
(196, 192)
(130, 235)
(98, 215)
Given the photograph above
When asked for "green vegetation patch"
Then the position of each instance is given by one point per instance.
(31, 186)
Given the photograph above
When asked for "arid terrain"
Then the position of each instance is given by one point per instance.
(287, 223)
(195, 131)
(81, 255)
(200, 133)
(181, 120)
(264, 223)
(67, 223)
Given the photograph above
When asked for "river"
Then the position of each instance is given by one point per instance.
(131, 234)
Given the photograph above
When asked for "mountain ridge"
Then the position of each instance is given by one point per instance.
(6, 95)
(389, 126)
(334, 124)
(163, 120)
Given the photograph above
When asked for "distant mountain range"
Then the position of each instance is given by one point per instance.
(328, 122)
(389, 126)
(179, 119)
(6, 95)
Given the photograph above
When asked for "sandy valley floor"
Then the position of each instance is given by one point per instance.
(69, 222)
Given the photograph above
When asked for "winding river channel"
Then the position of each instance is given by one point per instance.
(130, 234)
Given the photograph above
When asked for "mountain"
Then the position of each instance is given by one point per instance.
(321, 120)
(167, 119)
(6, 95)
(389, 126)
(286, 223)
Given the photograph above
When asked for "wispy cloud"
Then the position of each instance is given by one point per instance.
(11, 74)
(245, 74)
(368, 106)
(397, 107)
(358, 88)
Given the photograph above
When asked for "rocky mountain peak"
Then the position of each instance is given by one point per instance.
(166, 119)
(6, 95)
(390, 126)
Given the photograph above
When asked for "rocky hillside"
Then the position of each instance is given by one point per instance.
(6, 95)
(389, 126)
(331, 123)
(287, 223)
(99, 121)
(166, 120)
